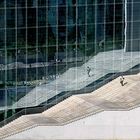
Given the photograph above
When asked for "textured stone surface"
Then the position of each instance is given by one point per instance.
(110, 97)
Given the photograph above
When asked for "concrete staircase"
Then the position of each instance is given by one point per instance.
(111, 96)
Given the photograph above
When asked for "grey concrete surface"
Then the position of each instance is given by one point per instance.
(73, 114)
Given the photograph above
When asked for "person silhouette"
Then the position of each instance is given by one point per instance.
(122, 81)
(88, 71)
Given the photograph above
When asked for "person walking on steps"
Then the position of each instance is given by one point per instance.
(122, 81)
(88, 71)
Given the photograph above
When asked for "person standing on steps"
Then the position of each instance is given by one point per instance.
(122, 81)
(88, 71)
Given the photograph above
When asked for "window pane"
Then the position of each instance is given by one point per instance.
(10, 15)
(62, 15)
(52, 2)
(21, 38)
(42, 2)
(52, 35)
(10, 3)
(42, 36)
(52, 16)
(2, 38)
(91, 14)
(31, 17)
(10, 40)
(81, 15)
(31, 36)
(21, 3)
(42, 17)
(21, 17)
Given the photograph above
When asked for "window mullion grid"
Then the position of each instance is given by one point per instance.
(57, 44)
(76, 43)
(124, 30)
(86, 28)
(104, 38)
(114, 32)
(95, 34)
(37, 52)
(132, 30)
(66, 26)
(26, 49)
(5, 68)
(46, 49)
(16, 52)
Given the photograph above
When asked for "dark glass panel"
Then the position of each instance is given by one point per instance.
(62, 34)
(10, 16)
(42, 17)
(21, 38)
(81, 34)
(21, 3)
(52, 20)
(2, 18)
(90, 33)
(42, 36)
(42, 2)
(2, 38)
(52, 2)
(2, 4)
(81, 15)
(51, 35)
(71, 15)
(31, 36)
(31, 17)
(11, 38)
(62, 15)
(21, 17)
(10, 3)
(91, 14)
(71, 34)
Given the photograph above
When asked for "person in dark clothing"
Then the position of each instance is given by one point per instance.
(88, 71)
(122, 81)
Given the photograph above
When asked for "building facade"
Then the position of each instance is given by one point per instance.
(47, 45)
(132, 25)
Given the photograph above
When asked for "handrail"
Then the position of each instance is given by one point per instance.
(51, 102)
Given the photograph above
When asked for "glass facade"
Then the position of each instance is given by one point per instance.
(52, 48)
(133, 28)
